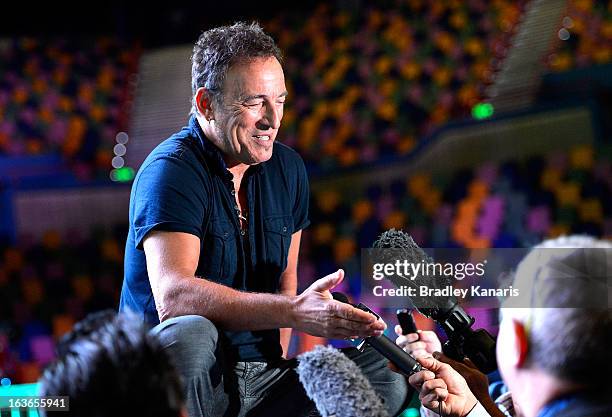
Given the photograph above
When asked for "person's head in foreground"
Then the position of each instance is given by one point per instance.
(554, 339)
(110, 366)
(239, 91)
(556, 342)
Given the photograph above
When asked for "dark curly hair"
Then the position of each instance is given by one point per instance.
(110, 366)
(217, 49)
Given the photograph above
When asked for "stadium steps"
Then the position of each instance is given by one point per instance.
(161, 102)
(516, 84)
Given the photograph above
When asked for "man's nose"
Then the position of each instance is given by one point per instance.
(273, 116)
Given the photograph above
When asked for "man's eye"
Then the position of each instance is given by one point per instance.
(254, 103)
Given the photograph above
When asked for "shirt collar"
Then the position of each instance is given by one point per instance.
(213, 153)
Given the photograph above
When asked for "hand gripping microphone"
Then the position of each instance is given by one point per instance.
(337, 386)
(385, 346)
(478, 345)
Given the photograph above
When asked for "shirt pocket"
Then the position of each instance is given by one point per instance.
(219, 256)
(278, 230)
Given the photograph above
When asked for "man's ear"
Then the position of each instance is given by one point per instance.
(203, 102)
(520, 342)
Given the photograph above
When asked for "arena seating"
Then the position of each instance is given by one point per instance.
(366, 84)
(65, 96)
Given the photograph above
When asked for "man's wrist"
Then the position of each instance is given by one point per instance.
(479, 411)
(470, 405)
(290, 310)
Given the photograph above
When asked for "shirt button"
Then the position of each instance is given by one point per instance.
(242, 233)
(226, 234)
(285, 229)
(233, 192)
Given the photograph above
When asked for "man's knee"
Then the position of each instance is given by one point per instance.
(191, 340)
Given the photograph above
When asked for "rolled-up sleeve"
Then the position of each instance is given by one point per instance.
(168, 195)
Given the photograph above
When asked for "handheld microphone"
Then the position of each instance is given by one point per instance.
(336, 385)
(406, 321)
(478, 345)
(385, 346)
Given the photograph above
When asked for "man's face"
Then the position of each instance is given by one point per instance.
(248, 119)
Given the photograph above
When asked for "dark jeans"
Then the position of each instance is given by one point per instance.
(216, 388)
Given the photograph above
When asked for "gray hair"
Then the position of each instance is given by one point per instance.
(217, 49)
(569, 323)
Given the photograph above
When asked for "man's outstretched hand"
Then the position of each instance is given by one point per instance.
(316, 312)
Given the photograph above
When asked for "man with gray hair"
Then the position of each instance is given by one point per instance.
(216, 217)
(553, 343)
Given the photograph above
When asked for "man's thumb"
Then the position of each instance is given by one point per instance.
(430, 363)
(328, 282)
(443, 358)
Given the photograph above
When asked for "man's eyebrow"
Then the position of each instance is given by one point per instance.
(256, 96)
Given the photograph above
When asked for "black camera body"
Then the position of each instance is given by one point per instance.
(478, 345)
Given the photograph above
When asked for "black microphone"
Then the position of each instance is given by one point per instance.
(337, 386)
(406, 321)
(385, 346)
(478, 345)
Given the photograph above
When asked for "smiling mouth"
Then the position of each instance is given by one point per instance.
(262, 137)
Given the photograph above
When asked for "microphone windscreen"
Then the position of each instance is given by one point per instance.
(396, 245)
(337, 386)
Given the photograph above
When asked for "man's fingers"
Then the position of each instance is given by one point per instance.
(328, 282)
(418, 379)
(360, 331)
(410, 337)
(445, 359)
(355, 328)
(419, 353)
(432, 364)
(417, 346)
(348, 312)
(431, 398)
(405, 340)
(428, 336)
(432, 384)
(341, 333)
(358, 325)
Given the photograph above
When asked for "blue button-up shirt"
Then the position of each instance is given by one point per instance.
(184, 186)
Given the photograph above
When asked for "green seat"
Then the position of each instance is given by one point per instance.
(19, 390)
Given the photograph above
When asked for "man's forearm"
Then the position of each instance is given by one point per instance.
(228, 308)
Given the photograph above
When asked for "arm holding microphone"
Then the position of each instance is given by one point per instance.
(442, 389)
(425, 344)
